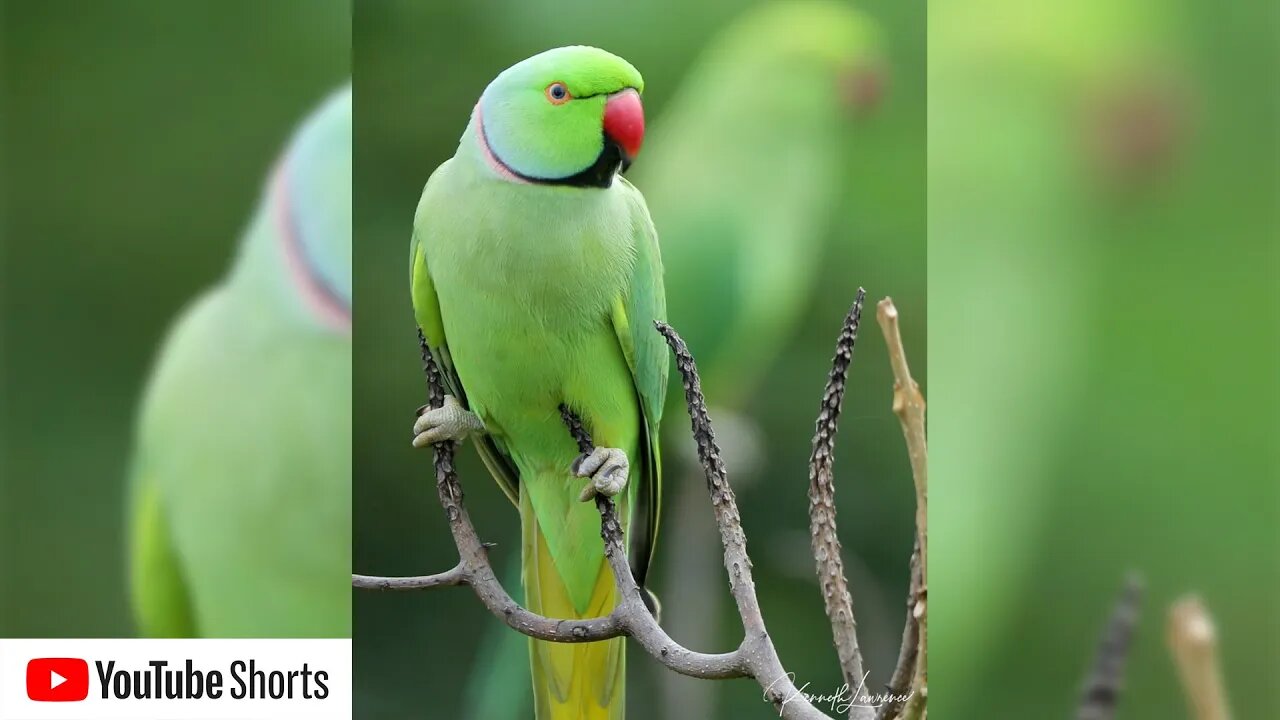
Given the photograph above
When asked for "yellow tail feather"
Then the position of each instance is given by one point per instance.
(571, 681)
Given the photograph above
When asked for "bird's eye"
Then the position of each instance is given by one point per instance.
(557, 93)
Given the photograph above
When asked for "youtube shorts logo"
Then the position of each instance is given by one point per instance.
(57, 679)
(175, 679)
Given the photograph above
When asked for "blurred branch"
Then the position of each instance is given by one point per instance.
(1102, 687)
(908, 405)
(1193, 642)
(822, 513)
(755, 657)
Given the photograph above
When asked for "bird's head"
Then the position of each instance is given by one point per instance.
(569, 116)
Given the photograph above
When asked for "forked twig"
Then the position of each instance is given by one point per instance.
(755, 657)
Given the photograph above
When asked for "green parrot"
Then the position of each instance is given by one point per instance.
(240, 487)
(742, 242)
(770, 99)
(536, 279)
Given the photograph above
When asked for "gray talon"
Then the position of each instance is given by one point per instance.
(448, 422)
(608, 469)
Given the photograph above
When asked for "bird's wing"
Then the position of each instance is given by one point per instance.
(634, 313)
(426, 309)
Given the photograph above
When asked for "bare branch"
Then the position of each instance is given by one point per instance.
(1193, 642)
(1102, 687)
(755, 657)
(654, 640)
(455, 576)
(474, 557)
(905, 669)
(909, 406)
(823, 535)
(760, 659)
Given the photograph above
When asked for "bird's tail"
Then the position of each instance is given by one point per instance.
(571, 681)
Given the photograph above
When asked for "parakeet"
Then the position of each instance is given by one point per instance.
(240, 488)
(770, 99)
(536, 280)
(774, 99)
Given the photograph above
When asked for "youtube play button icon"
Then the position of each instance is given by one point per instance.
(57, 679)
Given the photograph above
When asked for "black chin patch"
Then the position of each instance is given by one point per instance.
(599, 174)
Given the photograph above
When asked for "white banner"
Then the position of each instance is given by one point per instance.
(175, 679)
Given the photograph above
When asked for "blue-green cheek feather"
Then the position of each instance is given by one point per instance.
(540, 136)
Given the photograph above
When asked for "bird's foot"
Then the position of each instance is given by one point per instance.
(448, 422)
(608, 469)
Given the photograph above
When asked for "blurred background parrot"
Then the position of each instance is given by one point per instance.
(1039, 201)
(240, 511)
(536, 280)
(1094, 167)
(773, 98)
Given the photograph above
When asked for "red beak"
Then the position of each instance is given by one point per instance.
(864, 87)
(624, 122)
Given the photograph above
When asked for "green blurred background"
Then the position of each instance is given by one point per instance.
(1102, 186)
(418, 70)
(138, 137)
(1103, 258)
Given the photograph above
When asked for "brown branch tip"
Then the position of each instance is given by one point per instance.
(1193, 643)
(909, 406)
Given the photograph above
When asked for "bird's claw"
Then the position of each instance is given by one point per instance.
(450, 421)
(608, 469)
